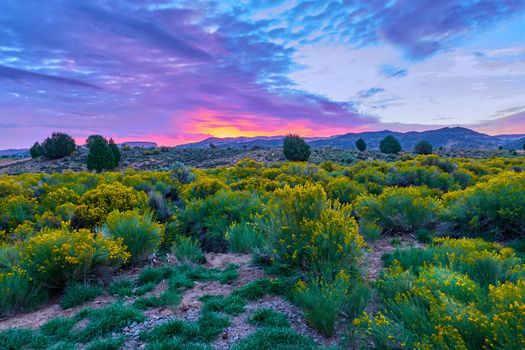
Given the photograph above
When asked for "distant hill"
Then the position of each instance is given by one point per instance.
(14, 153)
(139, 144)
(452, 138)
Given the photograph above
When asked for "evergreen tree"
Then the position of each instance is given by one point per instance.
(100, 156)
(115, 150)
(59, 145)
(423, 147)
(295, 148)
(390, 145)
(36, 150)
(361, 145)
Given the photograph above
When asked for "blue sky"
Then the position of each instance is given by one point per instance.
(177, 71)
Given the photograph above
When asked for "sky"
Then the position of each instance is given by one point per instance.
(174, 71)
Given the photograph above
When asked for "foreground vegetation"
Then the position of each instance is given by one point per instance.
(65, 234)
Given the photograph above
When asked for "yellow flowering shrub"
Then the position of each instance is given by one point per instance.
(202, 188)
(493, 208)
(58, 197)
(97, 203)
(448, 305)
(310, 232)
(55, 257)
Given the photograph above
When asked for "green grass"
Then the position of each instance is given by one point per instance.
(112, 318)
(268, 318)
(106, 344)
(77, 294)
(274, 338)
(121, 287)
(153, 275)
(169, 297)
(18, 338)
(259, 288)
(231, 305)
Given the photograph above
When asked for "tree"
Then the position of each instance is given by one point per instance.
(100, 156)
(524, 146)
(390, 145)
(295, 148)
(36, 150)
(116, 152)
(59, 145)
(423, 147)
(93, 138)
(361, 145)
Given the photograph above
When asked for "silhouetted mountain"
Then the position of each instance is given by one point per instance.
(456, 138)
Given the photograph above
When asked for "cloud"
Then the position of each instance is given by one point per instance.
(391, 71)
(370, 92)
(26, 76)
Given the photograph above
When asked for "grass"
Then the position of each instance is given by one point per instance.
(122, 287)
(112, 318)
(243, 238)
(268, 318)
(259, 288)
(17, 338)
(231, 305)
(187, 250)
(77, 294)
(170, 297)
(106, 344)
(274, 338)
(153, 275)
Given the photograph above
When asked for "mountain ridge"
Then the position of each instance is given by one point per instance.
(446, 137)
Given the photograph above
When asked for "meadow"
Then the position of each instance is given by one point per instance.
(422, 252)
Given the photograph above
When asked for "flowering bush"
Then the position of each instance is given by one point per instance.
(399, 208)
(97, 203)
(441, 303)
(139, 233)
(310, 232)
(202, 188)
(495, 208)
(56, 257)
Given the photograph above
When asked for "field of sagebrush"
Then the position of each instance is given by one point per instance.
(423, 252)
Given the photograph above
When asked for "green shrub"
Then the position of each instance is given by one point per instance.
(344, 190)
(243, 238)
(19, 293)
(115, 150)
(399, 209)
(187, 250)
(423, 147)
(208, 219)
(59, 145)
(36, 150)
(322, 301)
(309, 232)
(295, 148)
(139, 233)
(389, 145)
(495, 208)
(100, 156)
(360, 145)
(77, 294)
(424, 235)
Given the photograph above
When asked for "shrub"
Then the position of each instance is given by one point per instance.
(423, 147)
(202, 188)
(100, 156)
(207, 220)
(389, 145)
(139, 233)
(18, 292)
(243, 238)
(322, 301)
(182, 173)
(399, 208)
(36, 150)
(495, 208)
(344, 189)
(307, 231)
(187, 250)
(97, 203)
(59, 145)
(295, 148)
(58, 256)
(78, 293)
(360, 145)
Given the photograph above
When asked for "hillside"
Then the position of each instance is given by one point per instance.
(452, 138)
